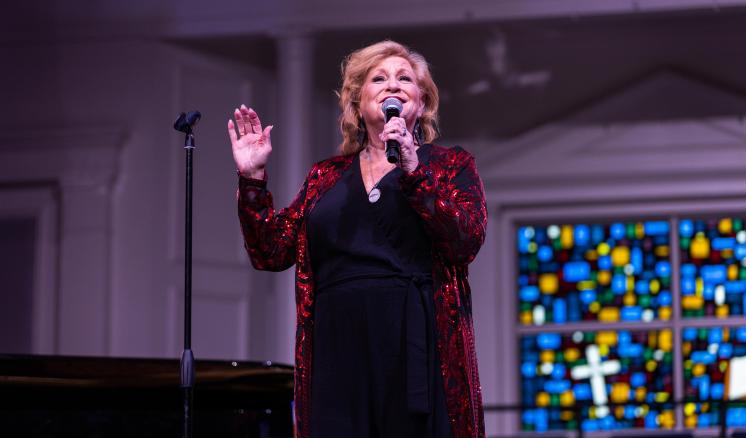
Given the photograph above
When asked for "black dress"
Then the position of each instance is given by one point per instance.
(374, 356)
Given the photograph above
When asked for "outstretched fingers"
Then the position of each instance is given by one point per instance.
(243, 127)
(251, 120)
(232, 131)
(247, 122)
(256, 125)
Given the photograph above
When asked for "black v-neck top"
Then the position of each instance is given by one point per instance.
(349, 237)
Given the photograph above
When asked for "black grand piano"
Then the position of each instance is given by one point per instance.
(56, 396)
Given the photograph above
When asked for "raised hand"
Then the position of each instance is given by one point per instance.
(252, 144)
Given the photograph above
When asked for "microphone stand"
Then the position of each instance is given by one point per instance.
(185, 123)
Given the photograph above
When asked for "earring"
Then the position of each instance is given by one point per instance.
(418, 132)
(362, 132)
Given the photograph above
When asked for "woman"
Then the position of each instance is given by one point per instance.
(384, 343)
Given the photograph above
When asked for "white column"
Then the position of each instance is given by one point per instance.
(291, 142)
(85, 254)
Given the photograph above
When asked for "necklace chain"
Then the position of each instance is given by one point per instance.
(370, 171)
(375, 193)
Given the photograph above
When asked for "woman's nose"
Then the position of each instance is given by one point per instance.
(393, 84)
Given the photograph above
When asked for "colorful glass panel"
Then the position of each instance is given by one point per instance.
(621, 379)
(598, 272)
(713, 267)
(714, 369)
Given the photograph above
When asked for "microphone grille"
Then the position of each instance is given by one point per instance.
(392, 103)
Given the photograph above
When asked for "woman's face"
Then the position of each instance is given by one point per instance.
(392, 77)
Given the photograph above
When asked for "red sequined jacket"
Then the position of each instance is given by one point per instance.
(448, 195)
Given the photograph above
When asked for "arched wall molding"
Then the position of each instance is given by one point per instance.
(82, 164)
(687, 159)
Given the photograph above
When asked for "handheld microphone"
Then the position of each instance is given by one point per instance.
(392, 107)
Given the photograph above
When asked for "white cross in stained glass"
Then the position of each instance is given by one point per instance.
(736, 378)
(595, 371)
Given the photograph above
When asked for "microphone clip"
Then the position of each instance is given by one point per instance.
(185, 123)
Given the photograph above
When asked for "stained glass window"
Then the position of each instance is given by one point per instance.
(608, 377)
(597, 369)
(607, 273)
(713, 267)
(714, 369)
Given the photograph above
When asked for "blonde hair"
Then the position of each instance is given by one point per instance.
(355, 69)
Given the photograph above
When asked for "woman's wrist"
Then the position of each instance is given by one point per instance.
(410, 168)
(252, 173)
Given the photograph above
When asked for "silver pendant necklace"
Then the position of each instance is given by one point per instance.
(374, 195)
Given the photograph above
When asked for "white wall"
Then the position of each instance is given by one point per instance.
(120, 98)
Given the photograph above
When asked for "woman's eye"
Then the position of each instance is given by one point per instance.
(405, 78)
(377, 78)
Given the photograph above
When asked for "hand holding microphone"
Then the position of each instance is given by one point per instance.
(407, 158)
(392, 107)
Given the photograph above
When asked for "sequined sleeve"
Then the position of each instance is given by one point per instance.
(270, 237)
(449, 196)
